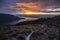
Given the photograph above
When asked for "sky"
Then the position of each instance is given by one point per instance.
(29, 5)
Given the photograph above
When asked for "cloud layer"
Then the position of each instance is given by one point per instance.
(37, 5)
(34, 5)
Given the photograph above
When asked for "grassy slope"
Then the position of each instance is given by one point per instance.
(44, 29)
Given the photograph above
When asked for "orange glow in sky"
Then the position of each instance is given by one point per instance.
(32, 12)
(31, 8)
(29, 12)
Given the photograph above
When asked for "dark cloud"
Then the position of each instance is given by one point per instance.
(1, 1)
(7, 3)
(37, 4)
(29, 4)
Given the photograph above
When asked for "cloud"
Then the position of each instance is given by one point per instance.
(33, 5)
(37, 5)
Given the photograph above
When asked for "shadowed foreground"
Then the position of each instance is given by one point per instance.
(44, 29)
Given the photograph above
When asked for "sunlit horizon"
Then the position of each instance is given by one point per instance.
(30, 12)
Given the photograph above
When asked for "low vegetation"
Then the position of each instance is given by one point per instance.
(44, 29)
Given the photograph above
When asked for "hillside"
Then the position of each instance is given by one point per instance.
(47, 21)
(44, 29)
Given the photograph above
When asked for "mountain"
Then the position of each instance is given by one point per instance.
(6, 19)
